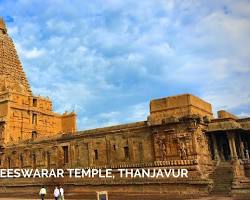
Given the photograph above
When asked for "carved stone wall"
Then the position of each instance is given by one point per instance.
(26, 117)
(138, 144)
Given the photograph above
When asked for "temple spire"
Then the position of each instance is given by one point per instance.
(12, 75)
(3, 28)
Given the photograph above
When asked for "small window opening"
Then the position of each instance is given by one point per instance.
(126, 152)
(33, 135)
(34, 102)
(34, 118)
(66, 154)
(96, 154)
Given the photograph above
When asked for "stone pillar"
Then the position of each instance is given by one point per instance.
(241, 147)
(91, 153)
(215, 146)
(231, 141)
(238, 169)
(73, 155)
(247, 154)
(108, 150)
(48, 157)
(220, 149)
(131, 150)
(59, 157)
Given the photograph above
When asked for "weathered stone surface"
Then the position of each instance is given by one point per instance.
(24, 116)
(225, 114)
(178, 106)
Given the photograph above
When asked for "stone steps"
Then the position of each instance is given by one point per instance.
(222, 177)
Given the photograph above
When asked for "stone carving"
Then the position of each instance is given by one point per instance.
(182, 149)
(161, 143)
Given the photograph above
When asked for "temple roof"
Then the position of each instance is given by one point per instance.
(12, 75)
(229, 124)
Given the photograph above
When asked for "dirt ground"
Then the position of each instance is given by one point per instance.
(204, 198)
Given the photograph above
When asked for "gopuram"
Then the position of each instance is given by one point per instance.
(179, 133)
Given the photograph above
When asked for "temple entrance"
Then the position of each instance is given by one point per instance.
(225, 151)
(245, 143)
(223, 147)
(220, 147)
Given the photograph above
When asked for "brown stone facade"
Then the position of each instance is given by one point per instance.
(180, 132)
(24, 116)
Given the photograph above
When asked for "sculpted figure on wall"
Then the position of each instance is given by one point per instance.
(183, 153)
(161, 145)
(164, 151)
(165, 145)
(202, 140)
(26, 157)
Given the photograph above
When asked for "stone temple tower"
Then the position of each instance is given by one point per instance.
(12, 76)
(23, 116)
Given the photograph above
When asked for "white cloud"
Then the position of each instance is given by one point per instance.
(70, 96)
(139, 112)
(30, 53)
(243, 115)
(134, 113)
(57, 25)
(106, 59)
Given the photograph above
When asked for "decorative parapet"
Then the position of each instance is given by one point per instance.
(164, 163)
(223, 125)
(177, 107)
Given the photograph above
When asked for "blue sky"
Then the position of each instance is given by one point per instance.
(107, 59)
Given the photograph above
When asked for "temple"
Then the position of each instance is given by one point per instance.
(180, 132)
(22, 115)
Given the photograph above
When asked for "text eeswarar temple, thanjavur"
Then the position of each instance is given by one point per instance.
(180, 132)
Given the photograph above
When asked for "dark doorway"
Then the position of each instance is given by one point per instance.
(66, 154)
(223, 146)
(226, 151)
